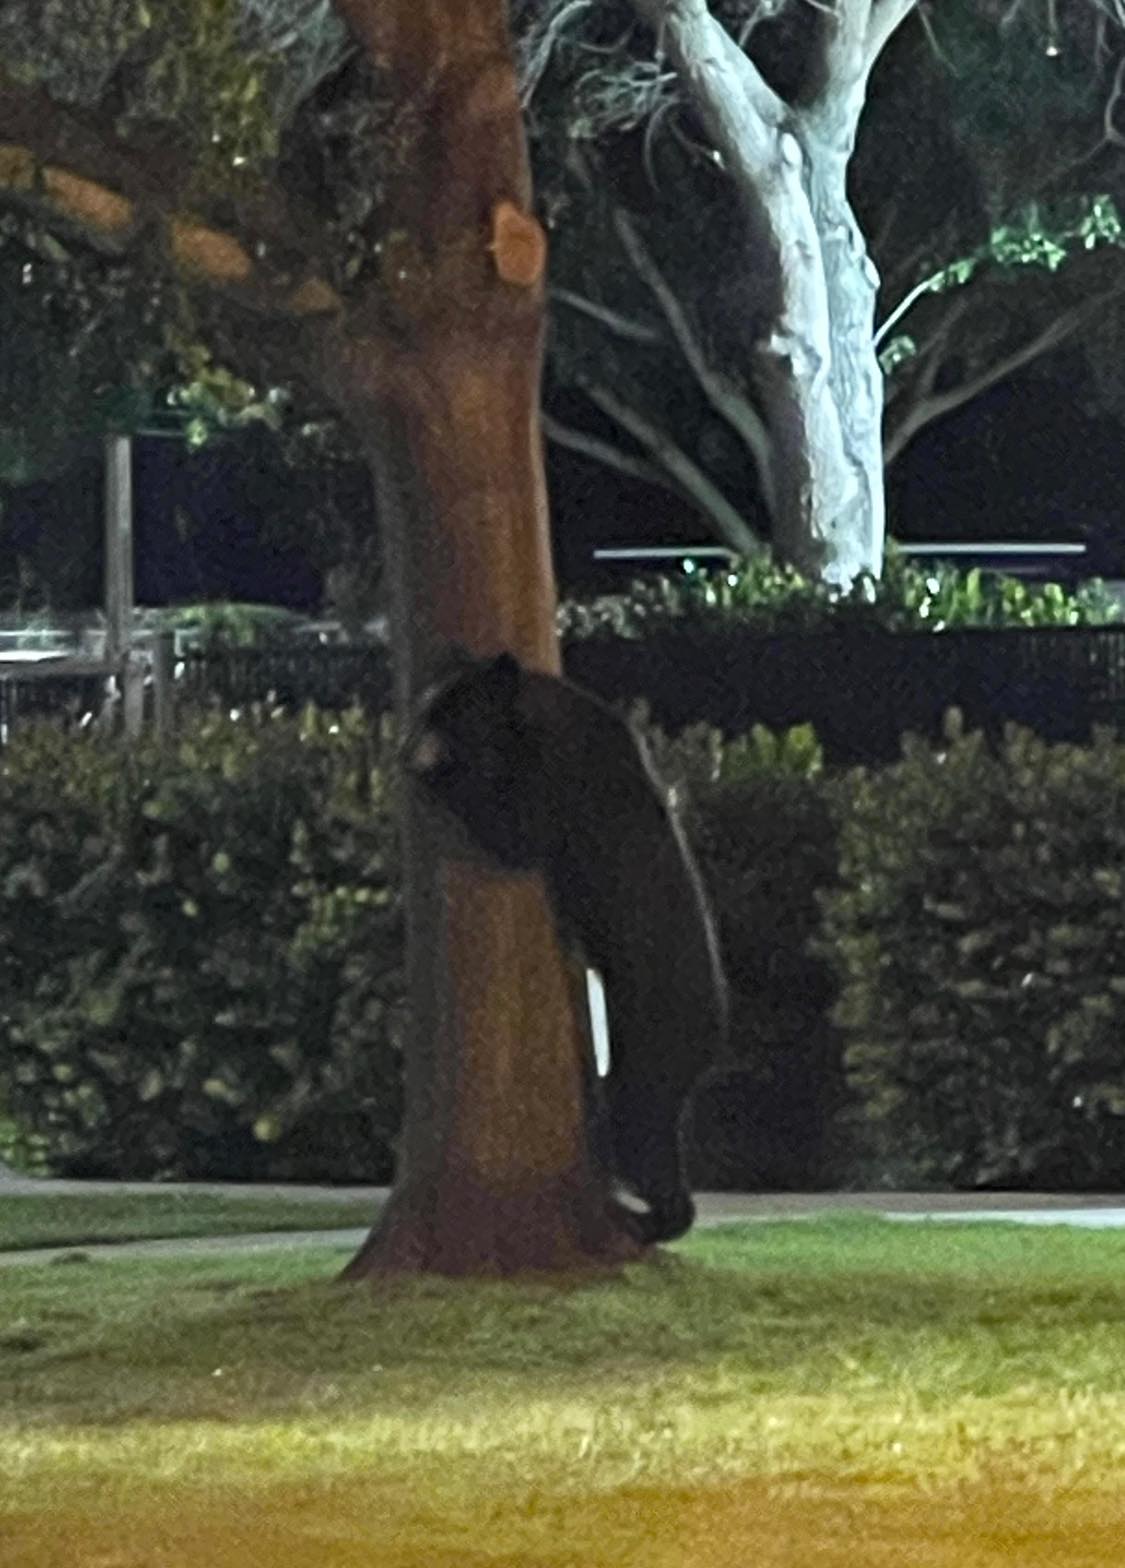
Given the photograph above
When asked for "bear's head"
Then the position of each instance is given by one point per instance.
(472, 749)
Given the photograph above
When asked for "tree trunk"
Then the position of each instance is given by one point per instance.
(855, 377)
(815, 374)
(438, 367)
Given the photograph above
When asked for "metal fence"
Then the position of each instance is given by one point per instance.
(860, 691)
(68, 694)
(329, 675)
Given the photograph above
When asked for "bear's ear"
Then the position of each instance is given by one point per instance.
(426, 754)
(501, 679)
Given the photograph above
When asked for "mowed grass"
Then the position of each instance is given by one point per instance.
(65, 1219)
(830, 1392)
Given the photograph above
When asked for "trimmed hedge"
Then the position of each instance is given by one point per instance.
(979, 933)
(760, 820)
(201, 956)
(201, 972)
(768, 597)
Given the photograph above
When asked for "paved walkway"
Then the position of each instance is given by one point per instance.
(718, 1208)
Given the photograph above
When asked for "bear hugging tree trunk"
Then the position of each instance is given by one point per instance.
(544, 775)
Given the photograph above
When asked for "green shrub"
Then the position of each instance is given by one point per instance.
(766, 597)
(201, 964)
(700, 757)
(20, 1150)
(979, 932)
(223, 623)
(759, 818)
(201, 970)
(201, 956)
(757, 593)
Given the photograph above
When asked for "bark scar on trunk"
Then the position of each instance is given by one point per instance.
(518, 245)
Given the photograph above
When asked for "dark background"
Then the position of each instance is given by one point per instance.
(1024, 461)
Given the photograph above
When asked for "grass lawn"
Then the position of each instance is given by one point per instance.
(76, 1219)
(836, 1392)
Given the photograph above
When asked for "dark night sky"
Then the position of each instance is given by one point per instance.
(1022, 461)
(225, 554)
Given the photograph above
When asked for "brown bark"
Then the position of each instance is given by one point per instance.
(439, 367)
(107, 218)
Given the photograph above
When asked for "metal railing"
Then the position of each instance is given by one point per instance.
(859, 690)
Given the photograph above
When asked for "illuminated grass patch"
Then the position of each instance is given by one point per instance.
(835, 1360)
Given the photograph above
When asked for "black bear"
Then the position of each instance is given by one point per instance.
(545, 775)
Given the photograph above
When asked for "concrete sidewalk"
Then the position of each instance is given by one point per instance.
(1104, 1211)
(714, 1205)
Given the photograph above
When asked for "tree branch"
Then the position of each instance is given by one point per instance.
(736, 104)
(605, 452)
(845, 36)
(895, 283)
(68, 168)
(728, 401)
(919, 291)
(886, 17)
(623, 326)
(725, 518)
(537, 45)
(903, 392)
(110, 221)
(79, 141)
(926, 409)
(850, 43)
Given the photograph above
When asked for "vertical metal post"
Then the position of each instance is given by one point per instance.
(163, 661)
(133, 692)
(119, 571)
(118, 546)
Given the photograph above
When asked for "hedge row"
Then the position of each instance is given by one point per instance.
(768, 597)
(978, 926)
(201, 971)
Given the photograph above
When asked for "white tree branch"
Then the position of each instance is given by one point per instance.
(1111, 136)
(851, 42)
(725, 397)
(845, 56)
(725, 518)
(757, 135)
(919, 291)
(886, 17)
(739, 108)
(535, 48)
